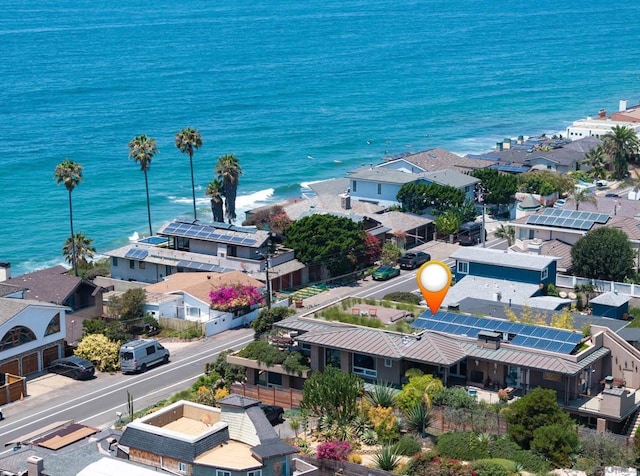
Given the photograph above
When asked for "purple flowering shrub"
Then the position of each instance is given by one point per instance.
(231, 298)
(334, 450)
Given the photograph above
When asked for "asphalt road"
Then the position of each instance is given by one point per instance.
(95, 402)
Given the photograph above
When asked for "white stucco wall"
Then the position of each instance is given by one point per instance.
(37, 318)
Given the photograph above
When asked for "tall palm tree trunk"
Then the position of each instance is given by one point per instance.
(193, 187)
(146, 183)
(73, 240)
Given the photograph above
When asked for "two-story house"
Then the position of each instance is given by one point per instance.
(213, 247)
(32, 335)
(381, 184)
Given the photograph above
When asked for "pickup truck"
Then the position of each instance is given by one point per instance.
(413, 260)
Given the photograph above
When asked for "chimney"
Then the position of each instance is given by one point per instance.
(5, 271)
(506, 144)
(498, 146)
(35, 466)
(623, 105)
(345, 201)
(602, 114)
(489, 340)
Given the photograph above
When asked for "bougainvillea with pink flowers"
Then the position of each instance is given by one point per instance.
(232, 298)
(334, 450)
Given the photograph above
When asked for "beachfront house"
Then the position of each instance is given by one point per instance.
(213, 247)
(381, 184)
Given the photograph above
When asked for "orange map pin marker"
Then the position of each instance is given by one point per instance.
(434, 279)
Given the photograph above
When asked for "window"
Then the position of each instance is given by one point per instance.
(182, 467)
(114, 261)
(463, 267)
(545, 273)
(219, 472)
(132, 264)
(193, 311)
(274, 379)
(379, 189)
(355, 188)
(388, 363)
(141, 265)
(16, 336)
(364, 366)
(332, 358)
(256, 472)
(167, 270)
(54, 325)
(151, 349)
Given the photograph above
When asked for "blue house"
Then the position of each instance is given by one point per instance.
(498, 264)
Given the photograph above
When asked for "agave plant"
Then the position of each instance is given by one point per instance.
(381, 394)
(369, 437)
(418, 418)
(360, 424)
(387, 458)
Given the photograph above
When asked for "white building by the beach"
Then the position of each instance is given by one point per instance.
(602, 124)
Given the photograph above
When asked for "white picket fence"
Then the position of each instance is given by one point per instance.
(563, 281)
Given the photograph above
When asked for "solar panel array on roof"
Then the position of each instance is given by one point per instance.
(525, 335)
(136, 253)
(573, 219)
(189, 230)
(200, 266)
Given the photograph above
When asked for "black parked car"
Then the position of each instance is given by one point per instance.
(75, 367)
(274, 413)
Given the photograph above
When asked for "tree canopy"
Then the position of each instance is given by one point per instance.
(332, 392)
(500, 189)
(535, 410)
(545, 182)
(337, 242)
(603, 253)
(415, 197)
(622, 146)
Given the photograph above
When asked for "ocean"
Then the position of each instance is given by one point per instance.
(298, 91)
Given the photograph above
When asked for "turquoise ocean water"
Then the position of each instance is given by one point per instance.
(299, 91)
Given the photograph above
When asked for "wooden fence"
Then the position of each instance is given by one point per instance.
(180, 325)
(288, 399)
(15, 388)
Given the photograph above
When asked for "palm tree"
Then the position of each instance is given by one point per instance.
(228, 171)
(69, 173)
(142, 149)
(596, 158)
(82, 246)
(622, 146)
(187, 140)
(214, 190)
(584, 195)
(506, 232)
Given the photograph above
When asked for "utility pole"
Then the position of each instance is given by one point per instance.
(267, 261)
(268, 281)
(480, 191)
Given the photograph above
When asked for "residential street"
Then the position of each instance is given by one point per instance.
(54, 398)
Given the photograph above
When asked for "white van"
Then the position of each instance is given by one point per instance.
(138, 355)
